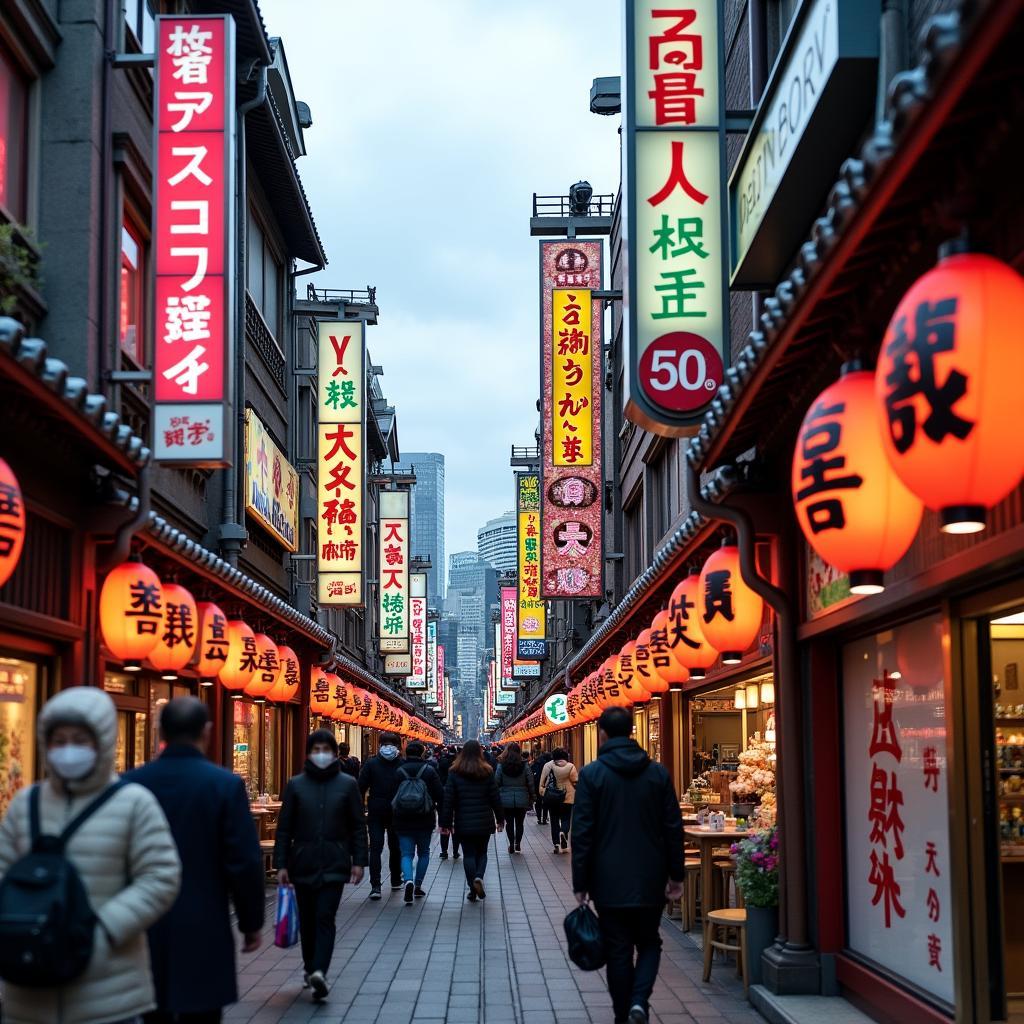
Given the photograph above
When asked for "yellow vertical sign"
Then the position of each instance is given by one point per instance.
(572, 378)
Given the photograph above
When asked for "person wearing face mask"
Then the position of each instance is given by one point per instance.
(124, 854)
(320, 846)
(378, 783)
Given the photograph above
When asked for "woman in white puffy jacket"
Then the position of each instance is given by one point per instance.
(124, 853)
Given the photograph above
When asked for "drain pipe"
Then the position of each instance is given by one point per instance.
(792, 964)
(126, 531)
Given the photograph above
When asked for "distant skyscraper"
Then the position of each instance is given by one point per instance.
(496, 542)
(472, 590)
(427, 512)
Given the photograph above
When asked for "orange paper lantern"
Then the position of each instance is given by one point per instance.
(131, 613)
(663, 659)
(268, 668)
(730, 613)
(242, 660)
(947, 394)
(853, 509)
(690, 645)
(177, 633)
(287, 685)
(12, 522)
(212, 645)
(647, 673)
(321, 701)
(625, 674)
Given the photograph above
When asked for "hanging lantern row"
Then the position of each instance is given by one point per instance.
(12, 522)
(932, 426)
(712, 613)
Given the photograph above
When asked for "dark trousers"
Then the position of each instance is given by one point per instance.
(625, 929)
(474, 855)
(561, 821)
(446, 838)
(514, 818)
(378, 830)
(542, 811)
(318, 907)
(167, 1017)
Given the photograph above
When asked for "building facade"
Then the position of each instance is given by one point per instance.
(496, 542)
(427, 510)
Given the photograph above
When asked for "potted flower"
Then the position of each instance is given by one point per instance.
(754, 777)
(757, 876)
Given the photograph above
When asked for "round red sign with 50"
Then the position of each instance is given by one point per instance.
(681, 371)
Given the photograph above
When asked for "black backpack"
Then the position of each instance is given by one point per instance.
(46, 922)
(412, 797)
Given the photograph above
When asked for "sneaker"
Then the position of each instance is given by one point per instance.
(455, 856)
(519, 849)
(420, 892)
(478, 888)
(443, 855)
(395, 886)
(637, 1015)
(556, 849)
(375, 893)
(305, 979)
(409, 889)
(511, 848)
(471, 896)
(563, 840)
(318, 983)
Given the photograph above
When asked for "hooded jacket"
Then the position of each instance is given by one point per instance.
(627, 832)
(379, 778)
(565, 775)
(128, 864)
(515, 784)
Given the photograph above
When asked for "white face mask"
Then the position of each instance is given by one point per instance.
(72, 761)
(323, 758)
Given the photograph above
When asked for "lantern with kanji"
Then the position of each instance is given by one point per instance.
(242, 660)
(287, 685)
(647, 673)
(852, 507)
(625, 675)
(320, 700)
(131, 613)
(212, 643)
(12, 522)
(948, 396)
(663, 659)
(177, 634)
(729, 611)
(687, 640)
(268, 667)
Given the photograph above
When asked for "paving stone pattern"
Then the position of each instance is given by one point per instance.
(502, 961)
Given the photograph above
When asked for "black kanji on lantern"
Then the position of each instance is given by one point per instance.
(821, 436)
(934, 332)
(145, 606)
(718, 595)
(679, 615)
(10, 509)
(250, 656)
(178, 625)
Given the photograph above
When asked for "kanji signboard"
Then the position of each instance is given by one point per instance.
(675, 295)
(531, 613)
(393, 587)
(430, 694)
(508, 634)
(418, 631)
(271, 484)
(341, 416)
(442, 678)
(571, 388)
(193, 239)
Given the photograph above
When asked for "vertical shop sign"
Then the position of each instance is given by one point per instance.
(675, 295)
(572, 555)
(897, 818)
(393, 588)
(430, 694)
(442, 680)
(508, 635)
(193, 240)
(532, 610)
(418, 631)
(341, 417)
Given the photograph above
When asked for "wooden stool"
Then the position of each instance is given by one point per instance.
(692, 881)
(727, 873)
(267, 850)
(726, 919)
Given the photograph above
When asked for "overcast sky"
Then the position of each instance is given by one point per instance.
(433, 125)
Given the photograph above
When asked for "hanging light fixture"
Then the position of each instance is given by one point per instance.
(212, 643)
(730, 612)
(947, 399)
(740, 698)
(131, 613)
(686, 636)
(13, 535)
(647, 673)
(287, 684)
(663, 659)
(752, 696)
(268, 668)
(176, 634)
(767, 692)
(242, 660)
(852, 507)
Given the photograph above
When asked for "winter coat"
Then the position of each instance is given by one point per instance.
(444, 762)
(515, 784)
(379, 777)
(350, 766)
(127, 861)
(321, 831)
(537, 766)
(193, 947)
(627, 832)
(565, 778)
(413, 823)
(471, 806)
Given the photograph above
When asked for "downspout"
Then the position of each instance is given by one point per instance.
(791, 965)
(892, 51)
(126, 531)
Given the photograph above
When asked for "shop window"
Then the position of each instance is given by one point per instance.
(245, 745)
(263, 274)
(898, 869)
(19, 701)
(132, 301)
(779, 18)
(138, 16)
(634, 539)
(13, 137)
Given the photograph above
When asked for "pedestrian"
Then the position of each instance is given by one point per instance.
(192, 947)
(472, 807)
(515, 784)
(378, 783)
(627, 856)
(557, 793)
(444, 763)
(123, 852)
(540, 758)
(349, 764)
(320, 845)
(415, 809)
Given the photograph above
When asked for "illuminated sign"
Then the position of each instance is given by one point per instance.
(418, 631)
(532, 610)
(556, 709)
(508, 633)
(193, 239)
(393, 588)
(675, 295)
(271, 484)
(430, 694)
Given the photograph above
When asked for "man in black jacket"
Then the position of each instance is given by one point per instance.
(444, 762)
(541, 758)
(378, 783)
(627, 856)
(415, 828)
(321, 845)
(208, 811)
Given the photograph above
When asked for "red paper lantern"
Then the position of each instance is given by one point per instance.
(626, 677)
(287, 685)
(131, 613)
(177, 634)
(268, 668)
(947, 391)
(663, 658)
(321, 700)
(729, 612)
(12, 522)
(242, 660)
(854, 510)
(212, 645)
(647, 673)
(690, 645)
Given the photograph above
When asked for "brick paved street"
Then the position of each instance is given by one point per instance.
(503, 961)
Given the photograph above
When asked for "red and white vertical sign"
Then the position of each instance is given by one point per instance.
(509, 626)
(193, 239)
(394, 571)
(441, 681)
(418, 631)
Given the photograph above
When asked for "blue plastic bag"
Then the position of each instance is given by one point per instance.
(286, 925)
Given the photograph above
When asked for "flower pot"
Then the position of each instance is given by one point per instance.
(762, 927)
(743, 810)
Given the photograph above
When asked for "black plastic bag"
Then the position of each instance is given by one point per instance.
(583, 933)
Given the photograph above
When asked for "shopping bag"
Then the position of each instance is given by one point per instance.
(583, 933)
(286, 924)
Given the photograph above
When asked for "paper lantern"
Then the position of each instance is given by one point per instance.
(663, 659)
(752, 696)
(739, 701)
(12, 522)
(947, 392)
(268, 667)
(212, 645)
(730, 612)
(767, 692)
(643, 662)
(177, 634)
(242, 660)
(320, 699)
(626, 677)
(852, 507)
(611, 695)
(287, 684)
(689, 643)
(131, 613)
